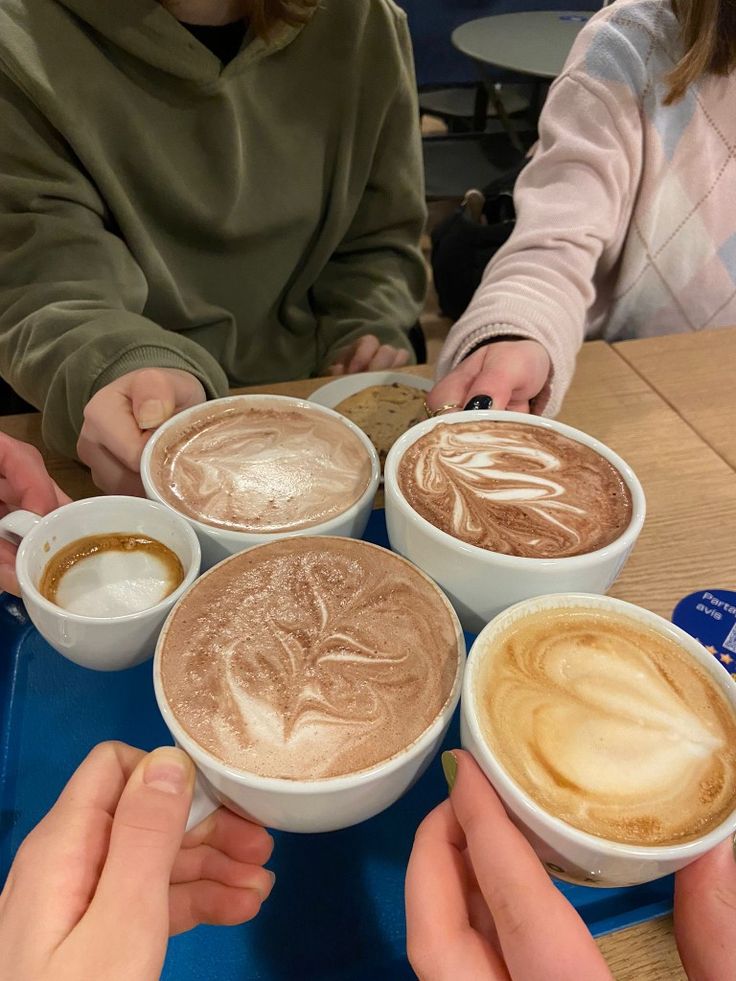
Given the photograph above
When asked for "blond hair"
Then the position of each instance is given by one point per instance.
(708, 30)
(264, 15)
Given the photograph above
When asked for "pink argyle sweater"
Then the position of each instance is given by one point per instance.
(626, 220)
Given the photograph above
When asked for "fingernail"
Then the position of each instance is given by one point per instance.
(151, 414)
(449, 768)
(733, 842)
(263, 894)
(167, 770)
(480, 402)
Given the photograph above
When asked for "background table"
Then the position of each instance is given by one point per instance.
(536, 43)
(696, 374)
(687, 542)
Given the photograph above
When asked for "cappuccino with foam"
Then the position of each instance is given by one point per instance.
(309, 658)
(609, 726)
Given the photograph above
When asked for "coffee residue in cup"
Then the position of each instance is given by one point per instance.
(111, 574)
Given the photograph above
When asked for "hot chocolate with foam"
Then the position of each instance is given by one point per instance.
(309, 658)
(515, 488)
(608, 725)
(264, 468)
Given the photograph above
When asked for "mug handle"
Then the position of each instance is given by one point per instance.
(16, 524)
(204, 803)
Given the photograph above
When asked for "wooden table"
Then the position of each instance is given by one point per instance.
(687, 542)
(696, 374)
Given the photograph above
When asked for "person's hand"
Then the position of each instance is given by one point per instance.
(480, 905)
(705, 915)
(367, 354)
(99, 885)
(511, 372)
(24, 483)
(119, 418)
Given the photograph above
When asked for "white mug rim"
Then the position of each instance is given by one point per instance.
(26, 544)
(641, 615)
(620, 544)
(246, 778)
(262, 537)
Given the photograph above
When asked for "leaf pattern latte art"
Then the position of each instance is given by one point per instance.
(310, 658)
(515, 488)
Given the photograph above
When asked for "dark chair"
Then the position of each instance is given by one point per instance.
(467, 108)
(10, 402)
(455, 163)
(418, 342)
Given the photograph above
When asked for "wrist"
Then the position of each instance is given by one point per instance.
(492, 340)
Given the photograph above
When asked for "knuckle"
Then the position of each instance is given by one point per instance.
(149, 376)
(105, 752)
(725, 897)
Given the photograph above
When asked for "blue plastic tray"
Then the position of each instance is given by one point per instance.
(337, 909)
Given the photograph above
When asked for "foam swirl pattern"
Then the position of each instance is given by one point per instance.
(309, 658)
(261, 470)
(514, 488)
(609, 726)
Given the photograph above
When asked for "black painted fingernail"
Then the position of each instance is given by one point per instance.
(480, 402)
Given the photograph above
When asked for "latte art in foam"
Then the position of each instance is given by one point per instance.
(514, 488)
(309, 658)
(609, 726)
(260, 469)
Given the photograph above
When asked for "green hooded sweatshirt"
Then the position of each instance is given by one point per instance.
(156, 209)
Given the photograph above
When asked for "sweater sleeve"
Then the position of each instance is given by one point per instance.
(72, 296)
(572, 200)
(375, 281)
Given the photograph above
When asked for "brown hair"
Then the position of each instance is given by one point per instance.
(264, 15)
(709, 34)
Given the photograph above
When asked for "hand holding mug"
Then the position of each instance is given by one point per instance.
(705, 914)
(24, 483)
(512, 372)
(478, 902)
(97, 888)
(119, 418)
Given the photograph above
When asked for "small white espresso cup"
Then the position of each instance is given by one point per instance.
(309, 806)
(568, 853)
(219, 543)
(102, 643)
(481, 583)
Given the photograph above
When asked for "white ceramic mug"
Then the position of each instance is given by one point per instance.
(219, 543)
(309, 805)
(567, 852)
(102, 643)
(481, 583)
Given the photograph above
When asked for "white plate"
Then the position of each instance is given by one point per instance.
(341, 388)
